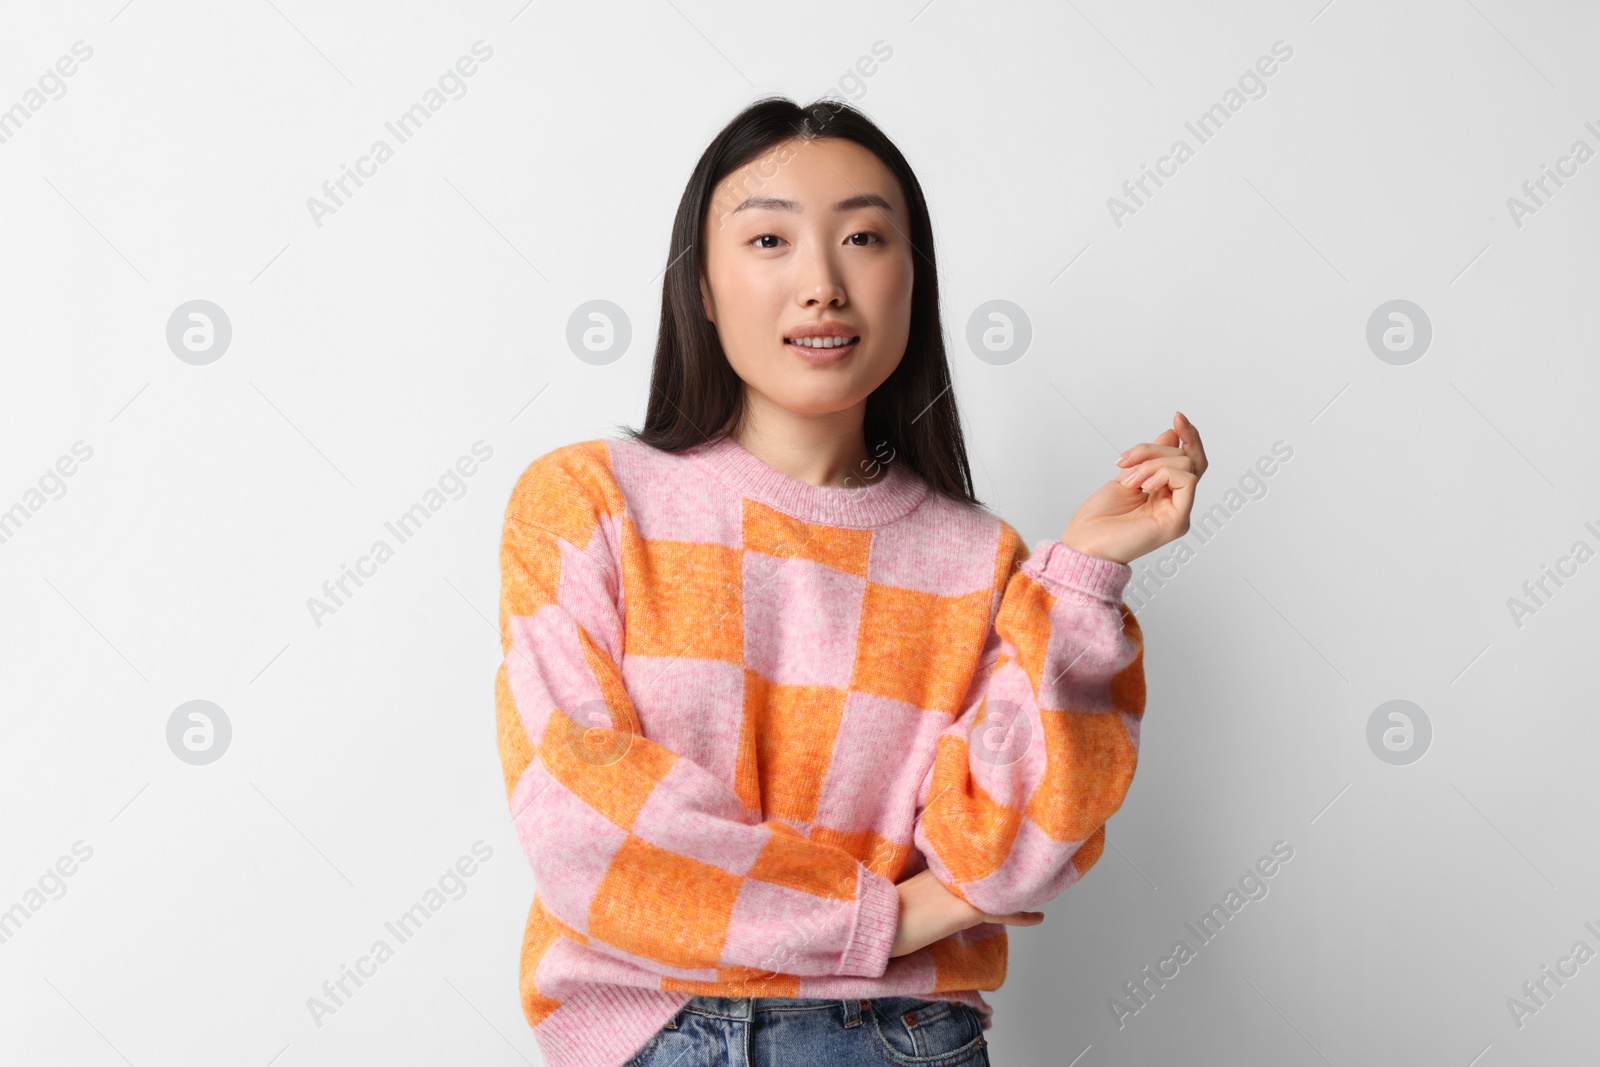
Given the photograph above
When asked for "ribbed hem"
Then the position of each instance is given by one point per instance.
(1059, 563)
(877, 918)
(892, 497)
(604, 1025)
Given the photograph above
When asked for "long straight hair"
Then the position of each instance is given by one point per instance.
(695, 392)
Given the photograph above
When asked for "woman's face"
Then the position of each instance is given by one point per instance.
(812, 232)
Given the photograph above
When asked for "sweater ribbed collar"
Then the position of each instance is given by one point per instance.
(892, 497)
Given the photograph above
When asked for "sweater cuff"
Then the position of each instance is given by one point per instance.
(1058, 563)
(877, 918)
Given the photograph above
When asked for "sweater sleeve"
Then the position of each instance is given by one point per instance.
(638, 852)
(1012, 810)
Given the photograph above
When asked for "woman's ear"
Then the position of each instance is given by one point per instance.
(705, 301)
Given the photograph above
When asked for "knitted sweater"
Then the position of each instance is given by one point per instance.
(736, 708)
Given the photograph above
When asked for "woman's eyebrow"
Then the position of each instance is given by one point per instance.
(777, 203)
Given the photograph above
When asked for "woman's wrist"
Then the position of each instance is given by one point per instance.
(1088, 546)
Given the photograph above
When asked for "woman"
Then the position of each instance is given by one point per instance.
(792, 728)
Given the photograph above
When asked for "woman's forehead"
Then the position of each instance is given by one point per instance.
(799, 175)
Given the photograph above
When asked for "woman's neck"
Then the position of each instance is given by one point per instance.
(821, 450)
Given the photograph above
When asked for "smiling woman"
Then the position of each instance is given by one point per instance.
(800, 221)
(793, 730)
(808, 282)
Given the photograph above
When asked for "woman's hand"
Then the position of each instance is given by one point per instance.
(929, 912)
(1122, 521)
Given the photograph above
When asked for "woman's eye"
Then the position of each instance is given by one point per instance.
(759, 238)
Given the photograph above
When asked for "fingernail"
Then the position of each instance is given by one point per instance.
(1128, 478)
(1123, 456)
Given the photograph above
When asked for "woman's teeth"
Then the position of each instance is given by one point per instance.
(822, 342)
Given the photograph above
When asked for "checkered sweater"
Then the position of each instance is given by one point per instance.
(736, 708)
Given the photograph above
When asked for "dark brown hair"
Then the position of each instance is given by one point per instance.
(694, 391)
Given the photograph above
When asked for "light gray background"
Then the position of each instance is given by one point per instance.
(431, 311)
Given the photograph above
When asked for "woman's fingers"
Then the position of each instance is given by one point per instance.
(1017, 918)
(1173, 477)
(1147, 450)
(1152, 450)
(1170, 443)
(1191, 442)
(1141, 475)
(1180, 491)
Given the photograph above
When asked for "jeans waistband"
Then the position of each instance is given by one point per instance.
(746, 1007)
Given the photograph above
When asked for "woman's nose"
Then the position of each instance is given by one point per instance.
(820, 280)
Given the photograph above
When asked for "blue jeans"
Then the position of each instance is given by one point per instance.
(799, 1032)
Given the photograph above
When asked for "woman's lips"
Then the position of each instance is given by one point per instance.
(822, 356)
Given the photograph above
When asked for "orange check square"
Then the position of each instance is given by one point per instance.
(920, 648)
(683, 598)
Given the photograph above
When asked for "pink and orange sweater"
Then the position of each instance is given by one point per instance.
(736, 708)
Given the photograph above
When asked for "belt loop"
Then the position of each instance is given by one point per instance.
(853, 1010)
